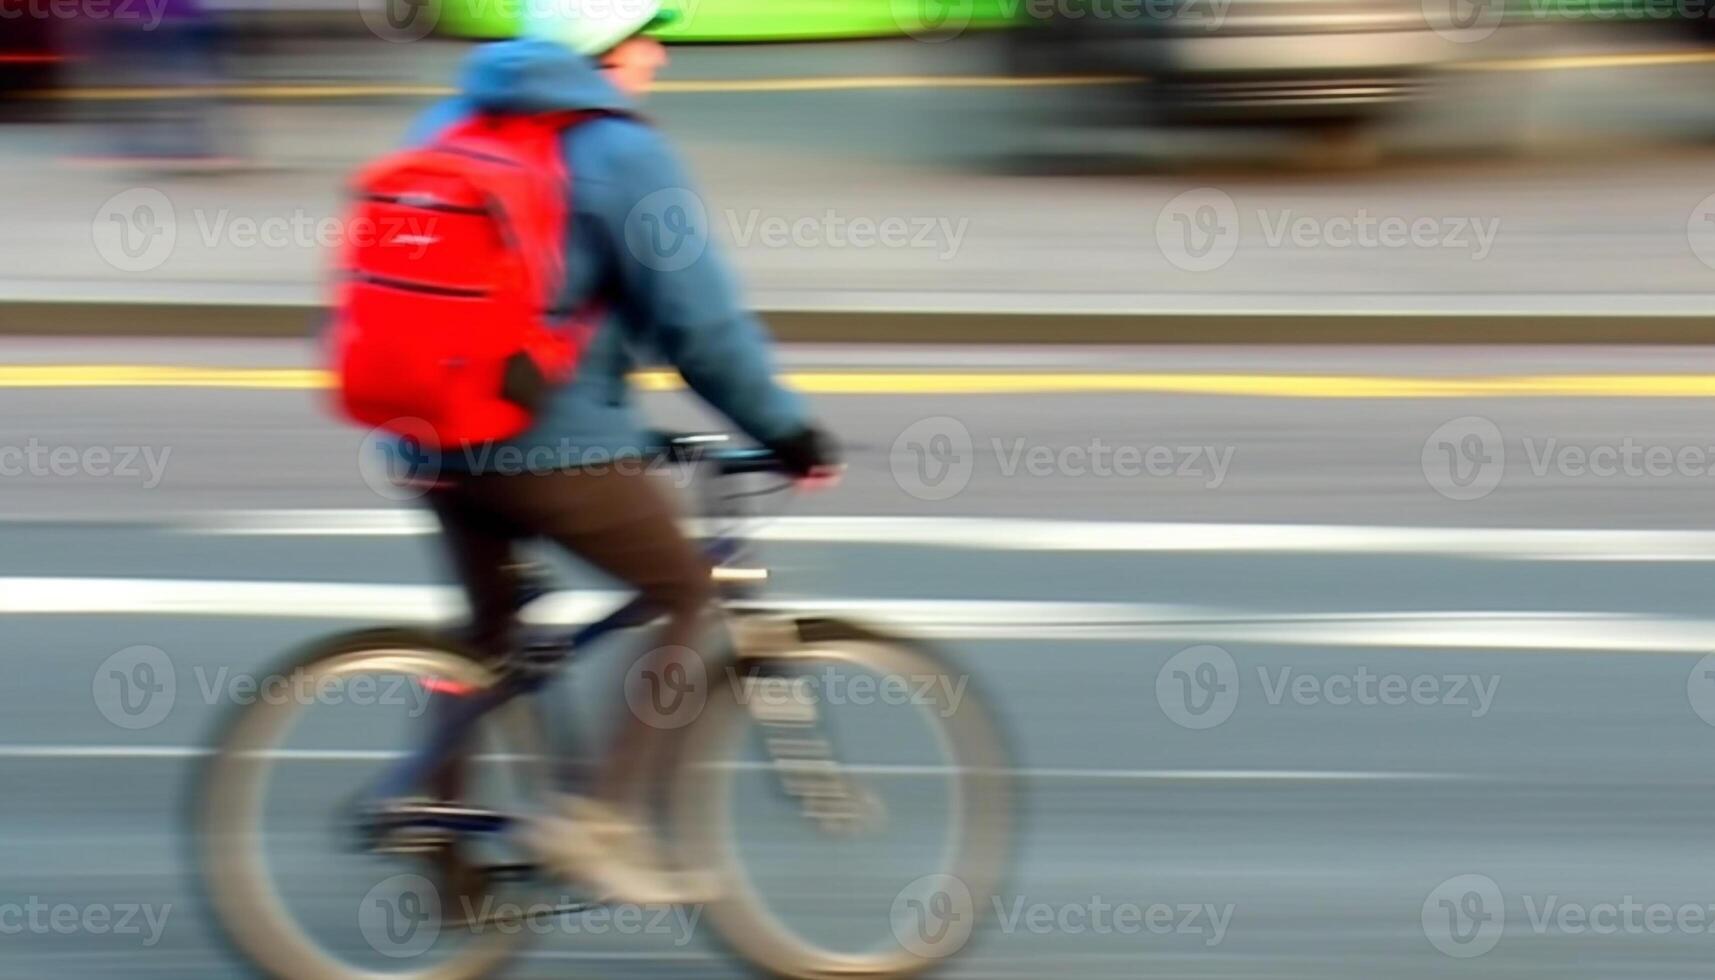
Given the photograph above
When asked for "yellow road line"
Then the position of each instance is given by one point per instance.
(153, 376)
(1619, 59)
(958, 383)
(1578, 62)
(278, 92)
(692, 87)
(862, 82)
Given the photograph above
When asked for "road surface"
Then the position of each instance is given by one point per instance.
(1310, 717)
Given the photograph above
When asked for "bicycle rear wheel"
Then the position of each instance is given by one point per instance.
(866, 858)
(396, 930)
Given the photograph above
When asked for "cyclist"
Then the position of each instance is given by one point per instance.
(624, 180)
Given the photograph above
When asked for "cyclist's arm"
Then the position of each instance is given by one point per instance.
(681, 297)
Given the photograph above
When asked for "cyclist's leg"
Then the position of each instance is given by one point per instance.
(479, 544)
(623, 523)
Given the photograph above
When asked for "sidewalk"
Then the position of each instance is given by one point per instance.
(786, 177)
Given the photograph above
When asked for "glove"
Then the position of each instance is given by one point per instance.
(808, 450)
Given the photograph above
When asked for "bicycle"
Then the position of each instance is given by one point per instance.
(769, 700)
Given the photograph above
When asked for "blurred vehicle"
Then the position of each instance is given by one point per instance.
(716, 21)
(1204, 62)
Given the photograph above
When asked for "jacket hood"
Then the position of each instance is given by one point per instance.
(536, 76)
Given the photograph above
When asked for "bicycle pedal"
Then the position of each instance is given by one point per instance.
(515, 914)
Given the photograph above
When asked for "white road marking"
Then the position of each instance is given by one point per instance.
(964, 618)
(184, 752)
(1033, 534)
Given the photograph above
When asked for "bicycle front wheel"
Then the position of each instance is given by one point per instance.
(850, 790)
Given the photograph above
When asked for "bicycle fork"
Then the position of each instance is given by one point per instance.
(787, 710)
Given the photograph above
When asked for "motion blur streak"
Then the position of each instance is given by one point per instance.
(1321, 647)
(963, 383)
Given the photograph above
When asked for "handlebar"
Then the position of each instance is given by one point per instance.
(681, 447)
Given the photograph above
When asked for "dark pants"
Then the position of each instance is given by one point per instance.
(622, 523)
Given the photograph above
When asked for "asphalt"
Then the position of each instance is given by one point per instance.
(1294, 460)
(1555, 746)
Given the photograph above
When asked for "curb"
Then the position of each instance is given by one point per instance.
(167, 319)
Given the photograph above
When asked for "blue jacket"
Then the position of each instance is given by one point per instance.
(640, 235)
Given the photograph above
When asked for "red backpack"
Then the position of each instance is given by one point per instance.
(443, 327)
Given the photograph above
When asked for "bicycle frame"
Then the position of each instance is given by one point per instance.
(538, 659)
